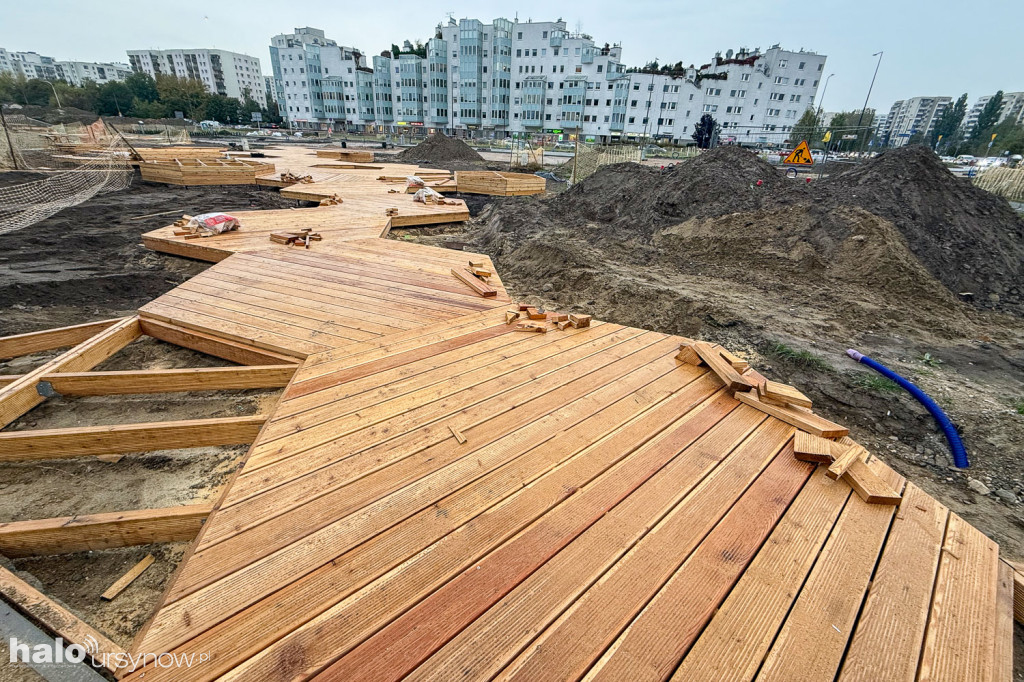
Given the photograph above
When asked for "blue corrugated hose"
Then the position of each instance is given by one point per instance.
(955, 444)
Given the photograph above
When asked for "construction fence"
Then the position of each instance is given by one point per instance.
(68, 164)
(590, 157)
(1006, 182)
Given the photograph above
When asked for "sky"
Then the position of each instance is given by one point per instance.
(931, 47)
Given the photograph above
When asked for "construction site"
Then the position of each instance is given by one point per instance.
(312, 411)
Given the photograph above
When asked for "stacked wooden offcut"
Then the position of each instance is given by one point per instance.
(352, 156)
(817, 440)
(539, 321)
(204, 171)
(301, 238)
(499, 184)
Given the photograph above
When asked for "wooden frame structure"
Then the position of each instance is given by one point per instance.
(210, 171)
(499, 184)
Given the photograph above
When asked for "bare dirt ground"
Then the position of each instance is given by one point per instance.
(87, 263)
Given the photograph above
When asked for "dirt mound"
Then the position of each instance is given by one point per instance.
(53, 115)
(969, 239)
(439, 149)
(642, 199)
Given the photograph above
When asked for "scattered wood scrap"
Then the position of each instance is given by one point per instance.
(782, 394)
(511, 316)
(390, 211)
(722, 367)
(458, 434)
(127, 579)
(579, 321)
(797, 417)
(846, 460)
(474, 283)
(332, 200)
(535, 314)
(532, 327)
(294, 178)
(301, 238)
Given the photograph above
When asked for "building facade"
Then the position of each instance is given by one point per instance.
(232, 74)
(78, 73)
(908, 117)
(34, 65)
(506, 77)
(1012, 108)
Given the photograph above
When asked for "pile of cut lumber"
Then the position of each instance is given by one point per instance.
(349, 155)
(817, 440)
(499, 184)
(191, 172)
(476, 276)
(292, 177)
(302, 237)
(539, 321)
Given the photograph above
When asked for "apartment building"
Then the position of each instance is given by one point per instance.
(77, 73)
(910, 116)
(221, 72)
(28, 65)
(318, 83)
(1012, 108)
(509, 77)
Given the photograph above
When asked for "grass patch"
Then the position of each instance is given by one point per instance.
(875, 383)
(1019, 406)
(803, 358)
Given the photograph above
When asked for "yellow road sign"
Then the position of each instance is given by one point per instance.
(801, 156)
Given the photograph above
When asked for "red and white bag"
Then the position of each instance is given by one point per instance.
(214, 223)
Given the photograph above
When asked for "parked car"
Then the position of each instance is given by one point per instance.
(565, 147)
(966, 160)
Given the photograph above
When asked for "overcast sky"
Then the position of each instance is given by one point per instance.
(932, 47)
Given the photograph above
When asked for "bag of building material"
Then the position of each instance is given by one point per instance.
(213, 223)
(414, 181)
(428, 196)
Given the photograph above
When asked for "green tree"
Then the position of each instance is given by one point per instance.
(143, 87)
(948, 125)
(806, 128)
(113, 99)
(144, 109)
(395, 51)
(706, 130)
(988, 116)
(223, 109)
(182, 94)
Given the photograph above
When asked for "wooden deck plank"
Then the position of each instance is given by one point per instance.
(961, 639)
(811, 642)
(459, 535)
(678, 590)
(454, 614)
(210, 344)
(385, 511)
(49, 339)
(170, 380)
(890, 631)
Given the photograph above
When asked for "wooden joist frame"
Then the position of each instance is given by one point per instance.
(234, 351)
(49, 339)
(69, 534)
(57, 619)
(22, 446)
(164, 380)
(18, 397)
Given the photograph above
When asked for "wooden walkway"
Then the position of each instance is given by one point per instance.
(612, 514)
(439, 496)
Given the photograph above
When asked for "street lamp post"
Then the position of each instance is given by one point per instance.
(55, 94)
(821, 108)
(860, 120)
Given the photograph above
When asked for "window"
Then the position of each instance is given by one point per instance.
(744, 76)
(519, 53)
(632, 119)
(520, 36)
(600, 67)
(774, 112)
(778, 97)
(801, 65)
(544, 35)
(781, 80)
(783, 63)
(820, 66)
(710, 108)
(794, 98)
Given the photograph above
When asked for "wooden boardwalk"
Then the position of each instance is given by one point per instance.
(612, 514)
(439, 496)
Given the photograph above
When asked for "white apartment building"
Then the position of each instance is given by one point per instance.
(28, 65)
(317, 82)
(33, 65)
(1012, 108)
(77, 73)
(509, 77)
(910, 116)
(221, 72)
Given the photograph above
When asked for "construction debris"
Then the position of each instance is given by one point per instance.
(127, 579)
(292, 177)
(332, 200)
(302, 237)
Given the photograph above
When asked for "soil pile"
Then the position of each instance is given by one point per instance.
(642, 199)
(440, 150)
(969, 239)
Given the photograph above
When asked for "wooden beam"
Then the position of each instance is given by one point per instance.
(845, 455)
(22, 446)
(720, 366)
(234, 351)
(20, 396)
(806, 421)
(1018, 591)
(473, 283)
(69, 534)
(49, 339)
(170, 380)
(57, 619)
(127, 579)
